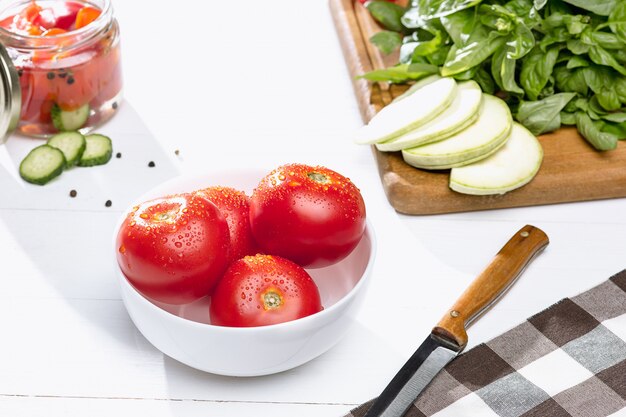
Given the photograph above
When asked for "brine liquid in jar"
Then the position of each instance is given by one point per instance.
(67, 58)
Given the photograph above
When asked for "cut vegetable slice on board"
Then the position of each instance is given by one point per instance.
(413, 111)
(98, 152)
(461, 113)
(479, 140)
(511, 167)
(419, 84)
(42, 164)
(72, 144)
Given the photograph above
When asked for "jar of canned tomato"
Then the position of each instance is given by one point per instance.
(59, 64)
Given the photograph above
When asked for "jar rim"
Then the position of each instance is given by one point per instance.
(10, 38)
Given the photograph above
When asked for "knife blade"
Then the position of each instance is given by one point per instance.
(449, 337)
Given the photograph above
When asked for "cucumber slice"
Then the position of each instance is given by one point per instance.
(66, 121)
(409, 113)
(72, 144)
(472, 144)
(419, 84)
(42, 164)
(462, 112)
(511, 167)
(98, 152)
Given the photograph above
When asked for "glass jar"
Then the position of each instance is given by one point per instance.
(67, 79)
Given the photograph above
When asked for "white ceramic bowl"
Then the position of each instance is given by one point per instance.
(185, 333)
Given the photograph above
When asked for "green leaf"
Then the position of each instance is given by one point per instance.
(536, 70)
(387, 14)
(607, 40)
(600, 7)
(617, 20)
(576, 62)
(484, 79)
(431, 9)
(617, 117)
(575, 24)
(503, 71)
(601, 56)
(466, 75)
(597, 77)
(616, 129)
(459, 26)
(608, 99)
(578, 47)
(544, 115)
(620, 88)
(568, 119)
(539, 4)
(472, 54)
(590, 130)
(386, 41)
(520, 42)
(570, 80)
(401, 73)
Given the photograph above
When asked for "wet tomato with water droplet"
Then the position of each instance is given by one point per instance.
(261, 290)
(174, 249)
(235, 206)
(311, 215)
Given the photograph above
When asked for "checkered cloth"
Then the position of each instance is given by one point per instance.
(568, 360)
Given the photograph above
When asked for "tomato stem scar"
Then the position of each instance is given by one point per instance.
(272, 300)
(318, 177)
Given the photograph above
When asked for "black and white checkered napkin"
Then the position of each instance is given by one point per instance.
(568, 360)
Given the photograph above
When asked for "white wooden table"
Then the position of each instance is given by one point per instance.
(232, 85)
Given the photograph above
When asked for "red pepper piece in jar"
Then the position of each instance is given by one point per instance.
(85, 16)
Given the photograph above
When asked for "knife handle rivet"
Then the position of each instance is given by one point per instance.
(455, 313)
(524, 234)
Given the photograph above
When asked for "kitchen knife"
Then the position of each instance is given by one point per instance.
(449, 336)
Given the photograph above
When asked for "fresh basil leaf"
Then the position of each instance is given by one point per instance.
(601, 56)
(472, 54)
(620, 88)
(484, 79)
(386, 41)
(386, 13)
(597, 77)
(544, 115)
(439, 56)
(578, 47)
(576, 24)
(432, 9)
(608, 99)
(607, 40)
(577, 61)
(466, 75)
(590, 130)
(401, 73)
(503, 71)
(459, 26)
(520, 42)
(616, 129)
(568, 119)
(595, 107)
(570, 80)
(617, 20)
(536, 70)
(600, 7)
(538, 4)
(617, 117)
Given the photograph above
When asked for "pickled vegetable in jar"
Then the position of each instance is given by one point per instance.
(66, 55)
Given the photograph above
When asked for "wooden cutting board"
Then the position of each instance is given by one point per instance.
(571, 171)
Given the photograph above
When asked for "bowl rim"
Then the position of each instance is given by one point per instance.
(363, 279)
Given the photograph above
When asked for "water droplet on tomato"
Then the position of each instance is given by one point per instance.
(122, 249)
(178, 244)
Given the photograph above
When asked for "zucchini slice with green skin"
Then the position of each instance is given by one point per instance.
(98, 152)
(42, 164)
(72, 144)
(418, 84)
(409, 113)
(462, 112)
(513, 166)
(69, 120)
(472, 144)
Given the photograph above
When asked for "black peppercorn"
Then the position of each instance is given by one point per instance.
(108, 203)
(73, 193)
(151, 164)
(50, 75)
(70, 80)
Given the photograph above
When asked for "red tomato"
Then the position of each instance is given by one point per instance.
(261, 290)
(311, 215)
(174, 249)
(235, 206)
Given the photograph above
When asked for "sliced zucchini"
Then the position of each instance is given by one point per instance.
(418, 84)
(69, 120)
(488, 133)
(72, 144)
(98, 152)
(42, 164)
(513, 166)
(462, 112)
(409, 113)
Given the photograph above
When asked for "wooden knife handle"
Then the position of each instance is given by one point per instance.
(492, 283)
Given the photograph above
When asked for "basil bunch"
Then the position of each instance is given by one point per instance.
(555, 62)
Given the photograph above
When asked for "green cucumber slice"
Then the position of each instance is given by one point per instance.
(72, 144)
(69, 120)
(409, 113)
(98, 151)
(513, 166)
(472, 144)
(42, 164)
(462, 112)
